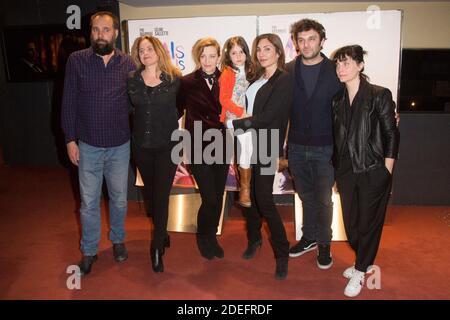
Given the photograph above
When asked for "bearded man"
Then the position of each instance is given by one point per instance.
(95, 123)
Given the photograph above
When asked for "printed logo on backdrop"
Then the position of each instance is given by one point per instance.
(176, 52)
(278, 31)
(142, 32)
(159, 31)
(289, 48)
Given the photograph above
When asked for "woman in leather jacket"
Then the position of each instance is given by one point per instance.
(152, 89)
(366, 141)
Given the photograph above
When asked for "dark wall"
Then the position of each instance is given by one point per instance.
(30, 132)
(422, 172)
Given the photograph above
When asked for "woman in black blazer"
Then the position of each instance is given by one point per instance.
(152, 89)
(269, 99)
(199, 96)
(366, 141)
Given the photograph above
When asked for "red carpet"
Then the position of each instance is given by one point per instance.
(39, 232)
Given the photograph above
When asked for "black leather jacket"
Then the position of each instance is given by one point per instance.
(155, 114)
(372, 134)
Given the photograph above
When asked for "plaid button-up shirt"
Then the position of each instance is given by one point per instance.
(95, 104)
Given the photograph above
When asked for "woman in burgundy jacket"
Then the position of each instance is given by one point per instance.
(199, 97)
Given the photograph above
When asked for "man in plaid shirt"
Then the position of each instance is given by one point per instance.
(95, 123)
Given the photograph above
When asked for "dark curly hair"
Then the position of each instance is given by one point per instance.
(306, 25)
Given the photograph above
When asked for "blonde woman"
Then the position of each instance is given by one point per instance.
(199, 97)
(152, 89)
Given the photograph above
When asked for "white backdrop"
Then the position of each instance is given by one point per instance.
(379, 33)
(179, 35)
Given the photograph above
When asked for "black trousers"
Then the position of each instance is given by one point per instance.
(364, 198)
(211, 179)
(157, 172)
(263, 206)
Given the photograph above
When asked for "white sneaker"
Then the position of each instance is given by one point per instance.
(355, 284)
(348, 273)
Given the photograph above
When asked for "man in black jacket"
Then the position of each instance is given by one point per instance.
(310, 141)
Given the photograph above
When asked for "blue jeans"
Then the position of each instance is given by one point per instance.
(313, 178)
(93, 165)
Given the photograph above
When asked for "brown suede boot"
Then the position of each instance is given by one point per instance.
(244, 192)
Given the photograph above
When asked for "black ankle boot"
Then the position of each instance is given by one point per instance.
(251, 249)
(157, 261)
(167, 242)
(205, 248)
(281, 271)
(86, 263)
(216, 248)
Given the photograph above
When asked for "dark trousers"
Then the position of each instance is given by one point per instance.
(211, 179)
(263, 206)
(157, 172)
(364, 197)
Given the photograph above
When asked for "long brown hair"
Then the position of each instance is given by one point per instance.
(164, 62)
(226, 58)
(276, 41)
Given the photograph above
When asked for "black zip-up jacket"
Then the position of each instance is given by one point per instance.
(372, 134)
(155, 114)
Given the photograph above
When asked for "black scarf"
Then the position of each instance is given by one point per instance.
(210, 77)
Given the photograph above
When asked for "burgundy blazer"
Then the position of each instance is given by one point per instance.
(199, 102)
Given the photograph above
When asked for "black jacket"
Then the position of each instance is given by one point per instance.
(155, 114)
(271, 109)
(372, 135)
